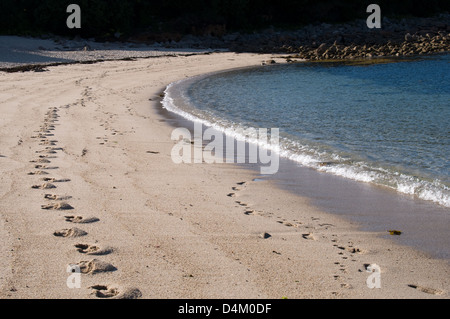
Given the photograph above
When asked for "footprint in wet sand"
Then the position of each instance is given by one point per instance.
(72, 232)
(309, 236)
(44, 186)
(249, 212)
(41, 160)
(44, 142)
(81, 220)
(93, 249)
(104, 291)
(288, 224)
(50, 150)
(55, 180)
(56, 197)
(95, 266)
(428, 290)
(241, 203)
(38, 173)
(350, 249)
(57, 206)
(45, 167)
(40, 135)
(46, 151)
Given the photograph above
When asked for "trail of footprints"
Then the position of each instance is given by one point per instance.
(309, 233)
(316, 231)
(42, 168)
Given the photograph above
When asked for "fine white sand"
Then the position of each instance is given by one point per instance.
(139, 226)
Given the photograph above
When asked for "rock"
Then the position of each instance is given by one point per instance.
(321, 49)
(408, 37)
(265, 235)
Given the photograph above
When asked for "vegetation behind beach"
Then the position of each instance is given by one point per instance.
(172, 18)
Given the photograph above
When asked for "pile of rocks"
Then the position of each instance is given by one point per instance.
(412, 45)
(397, 37)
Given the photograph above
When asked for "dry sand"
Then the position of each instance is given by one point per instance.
(140, 226)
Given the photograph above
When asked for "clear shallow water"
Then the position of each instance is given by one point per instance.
(386, 124)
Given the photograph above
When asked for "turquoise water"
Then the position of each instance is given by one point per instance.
(386, 124)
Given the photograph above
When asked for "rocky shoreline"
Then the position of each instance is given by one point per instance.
(396, 37)
(353, 41)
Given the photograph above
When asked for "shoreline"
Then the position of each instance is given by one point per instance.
(165, 230)
(375, 208)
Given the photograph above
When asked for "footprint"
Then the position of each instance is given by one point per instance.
(57, 206)
(93, 249)
(47, 151)
(355, 250)
(347, 286)
(95, 266)
(81, 220)
(40, 135)
(54, 180)
(41, 160)
(45, 167)
(44, 142)
(38, 173)
(350, 249)
(309, 236)
(427, 290)
(286, 223)
(72, 232)
(56, 197)
(44, 186)
(103, 291)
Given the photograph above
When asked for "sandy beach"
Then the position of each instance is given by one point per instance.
(87, 179)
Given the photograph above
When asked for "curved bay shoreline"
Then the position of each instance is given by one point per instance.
(170, 231)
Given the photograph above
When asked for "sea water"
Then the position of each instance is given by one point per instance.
(386, 124)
